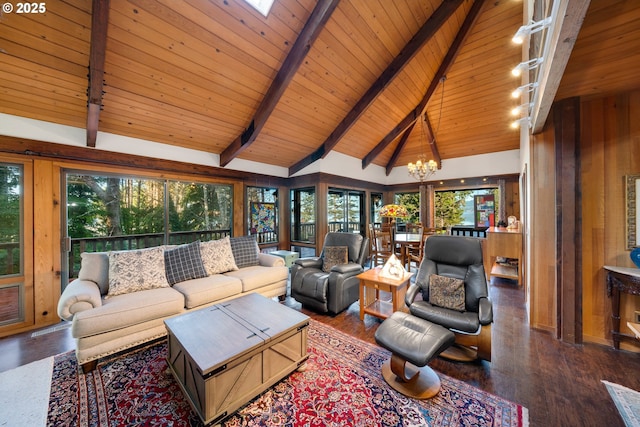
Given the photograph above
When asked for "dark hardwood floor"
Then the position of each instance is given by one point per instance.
(560, 384)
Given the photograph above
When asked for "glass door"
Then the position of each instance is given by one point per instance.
(345, 211)
(16, 245)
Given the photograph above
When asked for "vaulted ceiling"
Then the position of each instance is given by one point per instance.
(352, 76)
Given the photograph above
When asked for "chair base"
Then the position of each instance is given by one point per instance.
(469, 348)
(423, 383)
(460, 353)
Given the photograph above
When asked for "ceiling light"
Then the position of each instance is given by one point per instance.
(521, 108)
(526, 65)
(528, 88)
(517, 123)
(533, 27)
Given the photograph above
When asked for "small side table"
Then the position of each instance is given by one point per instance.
(621, 279)
(371, 283)
(288, 256)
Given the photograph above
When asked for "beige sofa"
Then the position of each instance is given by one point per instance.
(121, 298)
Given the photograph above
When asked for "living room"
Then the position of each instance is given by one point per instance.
(565, 174)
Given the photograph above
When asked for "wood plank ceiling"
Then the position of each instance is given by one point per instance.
(311, 77)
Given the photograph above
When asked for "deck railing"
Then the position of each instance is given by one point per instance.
(134, 241)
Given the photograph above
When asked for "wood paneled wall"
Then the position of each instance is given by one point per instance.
(610, 149)
(542, 270)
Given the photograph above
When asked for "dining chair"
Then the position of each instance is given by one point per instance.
(413, 251)
(381, 246)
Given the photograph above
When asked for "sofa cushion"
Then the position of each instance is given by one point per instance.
(446, 292)
(122, 311)
(257, 276)
(207, 290)
(217, 256)
(136, 270)
(95, 267)
(334, 255)
(245, 251)
(184, 263)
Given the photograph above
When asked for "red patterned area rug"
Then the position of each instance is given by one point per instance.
(341, 386)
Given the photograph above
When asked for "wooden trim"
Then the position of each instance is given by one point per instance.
(568, 221)
(34, 148)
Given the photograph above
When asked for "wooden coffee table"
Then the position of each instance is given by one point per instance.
(371, 283)
(225, 355)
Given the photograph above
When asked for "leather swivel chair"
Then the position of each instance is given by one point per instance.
(457, 258)
(335, 290)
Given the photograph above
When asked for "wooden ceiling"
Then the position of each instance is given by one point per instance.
(216, 76)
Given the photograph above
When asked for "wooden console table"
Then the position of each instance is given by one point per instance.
(503, 242)
(621, 279)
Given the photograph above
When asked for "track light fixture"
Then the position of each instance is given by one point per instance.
(517, 111)
(531, 28)
(526, 66)
(522, 89)
(521, 122)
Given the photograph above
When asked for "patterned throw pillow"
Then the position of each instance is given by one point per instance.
(446, 292)
(184, 263)
(136, 270)
(217, 256)
(245, 251)
(334, 255)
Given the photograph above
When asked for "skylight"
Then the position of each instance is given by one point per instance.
(262, 6)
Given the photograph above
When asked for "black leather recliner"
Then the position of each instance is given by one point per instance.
(460, 258)
(332, 291)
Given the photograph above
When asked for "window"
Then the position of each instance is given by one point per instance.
(113, 212)
(262, 213)
(303, 215)
(345, 211)
(376, 204)
(13, 278)
(411, 201)
(197, 207)
(262, 6)
(10, 219)
(456, 207)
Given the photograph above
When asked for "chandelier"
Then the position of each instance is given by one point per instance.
(422, 169)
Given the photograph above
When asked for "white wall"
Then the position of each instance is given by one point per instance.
(505, 162)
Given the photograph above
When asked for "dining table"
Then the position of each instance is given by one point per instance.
(405, 242)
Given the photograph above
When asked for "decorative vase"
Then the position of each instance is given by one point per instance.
(635, 256)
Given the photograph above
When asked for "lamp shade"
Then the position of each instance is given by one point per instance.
(394, 211)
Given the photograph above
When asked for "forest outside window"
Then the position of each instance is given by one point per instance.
(113, 212)
(303, 215)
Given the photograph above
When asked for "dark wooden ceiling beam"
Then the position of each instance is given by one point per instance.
(314, 25)
(430, 27)
(99, 24)
(420, 109)
(432, 141)
(399, 147)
